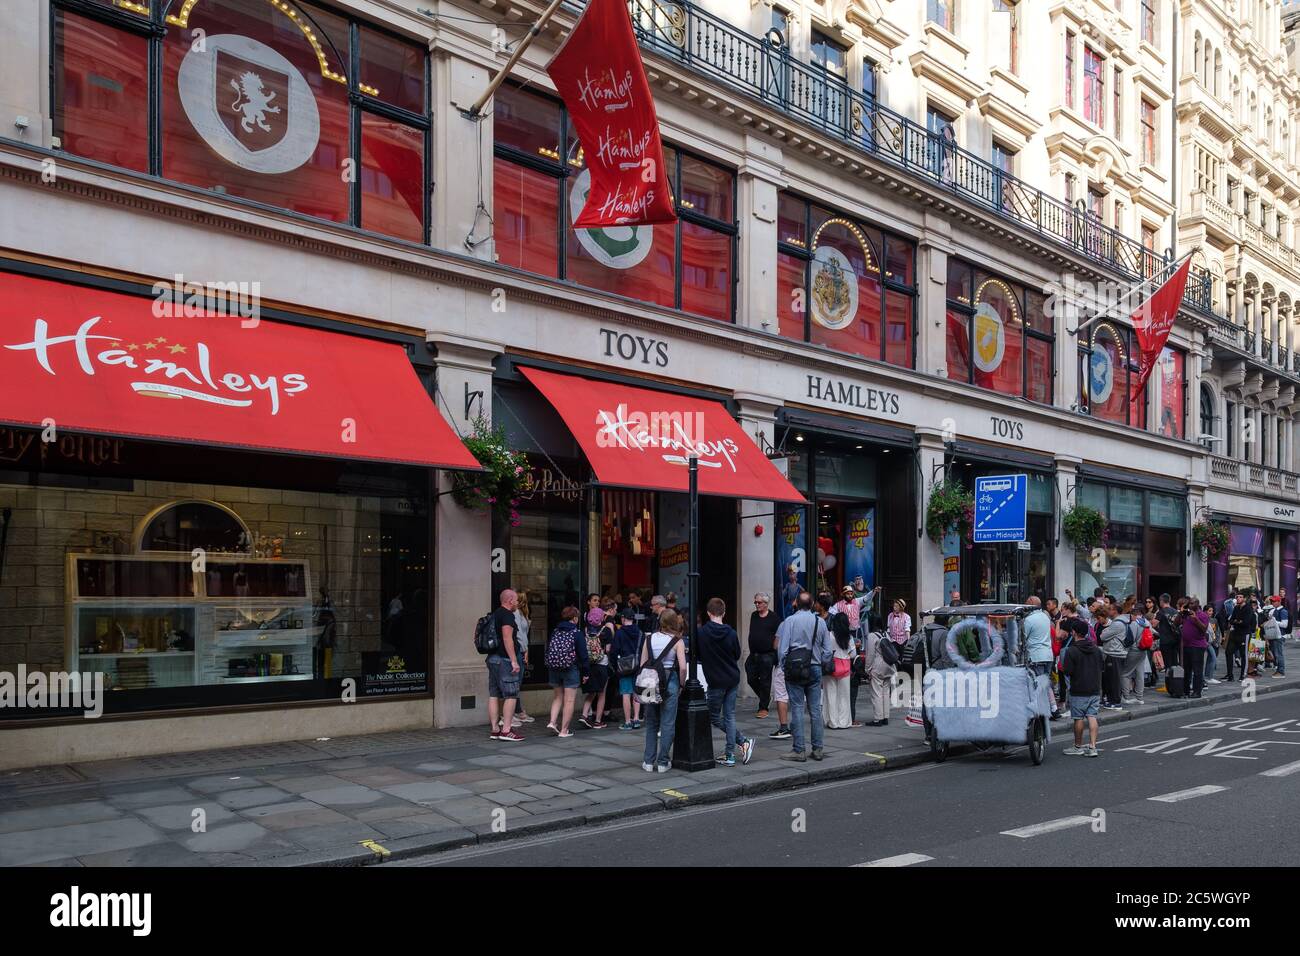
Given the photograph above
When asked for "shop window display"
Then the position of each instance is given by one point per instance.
(297, 588)
(1146, 538)
(264, 110)
(540, 186)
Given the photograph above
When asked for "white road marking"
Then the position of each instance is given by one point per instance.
(1051, 826)
(903, 859)
(1178, 795)
(1283, 771)
(1109, 740)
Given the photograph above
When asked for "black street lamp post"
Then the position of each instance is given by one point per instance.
(693, 742)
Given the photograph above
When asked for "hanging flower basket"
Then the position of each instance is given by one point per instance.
(1210, 537)
(504, 479)
(1084, 527)
(950, 507)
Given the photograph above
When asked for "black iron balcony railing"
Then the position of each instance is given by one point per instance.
(1248, 341)
(1284, 357)
(765, 69)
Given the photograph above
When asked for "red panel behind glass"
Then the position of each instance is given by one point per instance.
(706, 272)
(101, 92)
(526, 210)
(392, 178)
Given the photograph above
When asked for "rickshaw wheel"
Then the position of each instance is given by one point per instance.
(1037, 741)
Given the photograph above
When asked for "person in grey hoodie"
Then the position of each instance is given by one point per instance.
(1110, 635)
(720, 658)
(1132, 671)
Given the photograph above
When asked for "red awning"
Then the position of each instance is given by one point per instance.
(639, 438)
(96, 361)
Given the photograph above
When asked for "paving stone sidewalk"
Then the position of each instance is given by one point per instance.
(366, 799)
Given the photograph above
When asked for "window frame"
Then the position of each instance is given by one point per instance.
(1095, 80)
(1071, 40)
(561, 172)
(1150, 135)
(1147, 14)
(155, 28)
(805, 254)
(945, 8)
(1028, 332)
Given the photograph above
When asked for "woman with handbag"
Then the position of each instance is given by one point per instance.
(835, 681)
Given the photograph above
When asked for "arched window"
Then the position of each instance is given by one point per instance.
(1196, 55)
(185, 525)
(1218, 73)
(1209, 420)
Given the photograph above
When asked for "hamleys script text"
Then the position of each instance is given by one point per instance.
(670, 431)
(607, 90)
(228, 382)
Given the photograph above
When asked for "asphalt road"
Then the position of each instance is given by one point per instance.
(1211, 786)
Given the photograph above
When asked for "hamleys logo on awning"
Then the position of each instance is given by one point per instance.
(676, 433)
(164, 369)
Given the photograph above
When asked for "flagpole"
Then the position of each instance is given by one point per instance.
(1160, 276)
(524, 43)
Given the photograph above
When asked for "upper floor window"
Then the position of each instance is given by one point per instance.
(999, 334)
(1148, 17)
(781, 22)
(869, 79)
(1069, 68)
(540, 184)
(1094, 109)
(1148, 120)
(1208, 418)
(1004, 26)
(266, 109)
(844, 284)
(942, 12)
(829, 55)
(1117, 92)
(1229, 429)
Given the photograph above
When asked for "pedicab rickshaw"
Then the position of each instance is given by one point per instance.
(997, 700)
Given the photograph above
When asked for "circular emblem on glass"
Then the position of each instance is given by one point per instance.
(990, 338)
(834, 289)
(618, 247)
(249, 104)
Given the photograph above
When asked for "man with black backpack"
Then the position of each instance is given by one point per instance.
(1169, 634)
(504, 672)
(804, 643)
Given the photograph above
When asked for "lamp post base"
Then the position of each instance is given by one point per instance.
(693, 743)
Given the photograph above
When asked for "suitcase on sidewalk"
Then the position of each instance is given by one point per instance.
(1175, 681)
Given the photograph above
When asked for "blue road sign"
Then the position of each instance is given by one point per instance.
(1001, 502)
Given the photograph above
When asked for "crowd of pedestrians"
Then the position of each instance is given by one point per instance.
(1104, 653)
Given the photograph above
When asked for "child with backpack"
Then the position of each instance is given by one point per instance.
(566, 661)
(627, 659)
(600, 638)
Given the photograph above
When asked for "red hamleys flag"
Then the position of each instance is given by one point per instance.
(598, 73)
(1153, 320)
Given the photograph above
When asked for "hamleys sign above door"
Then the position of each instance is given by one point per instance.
(80, 359)
(644, 438)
